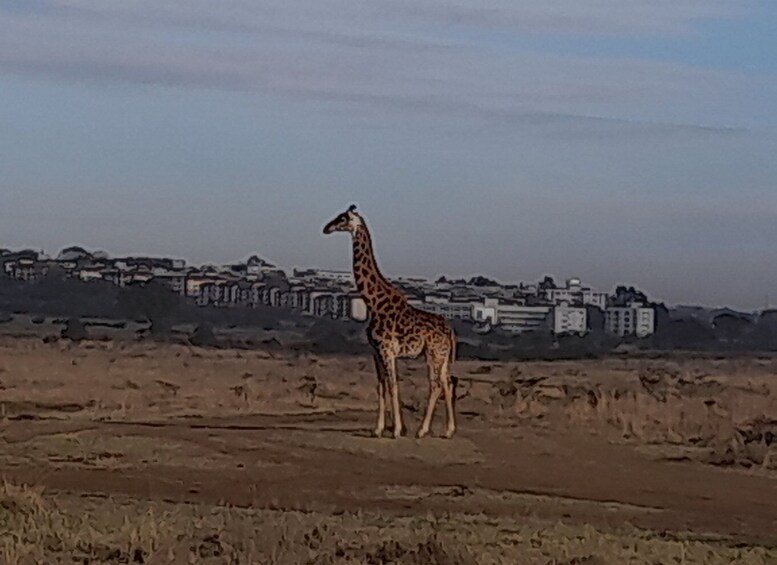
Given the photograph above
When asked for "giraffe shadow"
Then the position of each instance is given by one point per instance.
(387, 434)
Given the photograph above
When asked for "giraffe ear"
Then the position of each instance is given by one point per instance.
(352, 208)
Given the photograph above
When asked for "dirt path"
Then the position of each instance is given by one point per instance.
(326, 462)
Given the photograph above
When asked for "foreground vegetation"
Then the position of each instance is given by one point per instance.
(41, 528)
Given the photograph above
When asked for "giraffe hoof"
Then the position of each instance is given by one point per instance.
(449, 434)
(377, 432)
(397, 434)
(422, 434)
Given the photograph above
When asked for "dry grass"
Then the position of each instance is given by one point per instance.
(43, 529)
(721, 412)
(708, 407)
(103, 451)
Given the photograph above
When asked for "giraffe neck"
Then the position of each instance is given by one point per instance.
(370, 282)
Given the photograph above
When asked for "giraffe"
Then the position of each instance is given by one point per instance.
(395, 330)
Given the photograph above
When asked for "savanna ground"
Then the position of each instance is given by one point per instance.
(142, 453)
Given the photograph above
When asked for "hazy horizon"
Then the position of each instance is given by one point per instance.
(621, 142)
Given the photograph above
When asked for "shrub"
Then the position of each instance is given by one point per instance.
(203, 336)
(74, 330)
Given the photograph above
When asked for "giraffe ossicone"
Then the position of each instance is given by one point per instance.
(396, 330)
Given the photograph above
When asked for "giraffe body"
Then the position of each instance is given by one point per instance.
(397, 330)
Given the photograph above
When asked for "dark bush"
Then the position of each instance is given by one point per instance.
(74, 330)
(203, 336)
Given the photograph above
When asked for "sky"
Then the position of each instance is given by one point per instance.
(621, 141)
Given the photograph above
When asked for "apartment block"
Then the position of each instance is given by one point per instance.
(633, 319)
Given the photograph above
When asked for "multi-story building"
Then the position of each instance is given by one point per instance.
(575, 293)
(174, 280)
(257, 267)
(633, 319)
(520, 318)
(114, 276)
(486, 312)
(24, 266)
(325, 275)
(445, 306)
(568, 319)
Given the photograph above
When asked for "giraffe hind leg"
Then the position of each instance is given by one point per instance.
(435, 388)
(448, 387)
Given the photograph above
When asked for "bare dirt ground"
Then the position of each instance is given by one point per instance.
(170, 454)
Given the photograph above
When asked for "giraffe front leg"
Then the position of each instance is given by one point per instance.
(381, 373)
(381, 425)
(391, 371)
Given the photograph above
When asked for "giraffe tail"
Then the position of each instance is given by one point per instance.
(452, 350)
(452, 357)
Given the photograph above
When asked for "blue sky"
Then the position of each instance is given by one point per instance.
(622, 141)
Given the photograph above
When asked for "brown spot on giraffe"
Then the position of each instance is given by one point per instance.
(395, 329)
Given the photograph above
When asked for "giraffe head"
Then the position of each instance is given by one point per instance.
(348, 221)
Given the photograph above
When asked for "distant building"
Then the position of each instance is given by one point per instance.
(633, 319)
(326, 275)
(520, 318)
(358, 308)
(575, 293)
(568, 319)
(256, 266)
(444, 306)
(24, 266)
(114, 276)
(90, 273)
(174, 280)
(149, 263)
(486, 312)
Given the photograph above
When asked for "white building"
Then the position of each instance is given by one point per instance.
(485, 312)
(519, 318)
(358, 308)
(568, 319)
(445, 306)
(575, 293)
(634, 319)
(256, 266)
(325, 275)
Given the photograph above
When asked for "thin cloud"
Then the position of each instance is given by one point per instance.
(616, 17)
(385, 70)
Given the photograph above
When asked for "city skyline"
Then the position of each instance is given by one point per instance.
(561, 280)
(619, 142)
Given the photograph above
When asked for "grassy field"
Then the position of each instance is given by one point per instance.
(142, 453)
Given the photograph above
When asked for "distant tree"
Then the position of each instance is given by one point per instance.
(595, 319)
(764, 334)
(480, 280)
(686, 334)
(54, 280)
(546, 283)
(153, 302)
(73, 253)
(74, 330)
(730, 327)
(662, 316)
(624, 295)
(203, 336)
(277, 279)
(441, 280)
